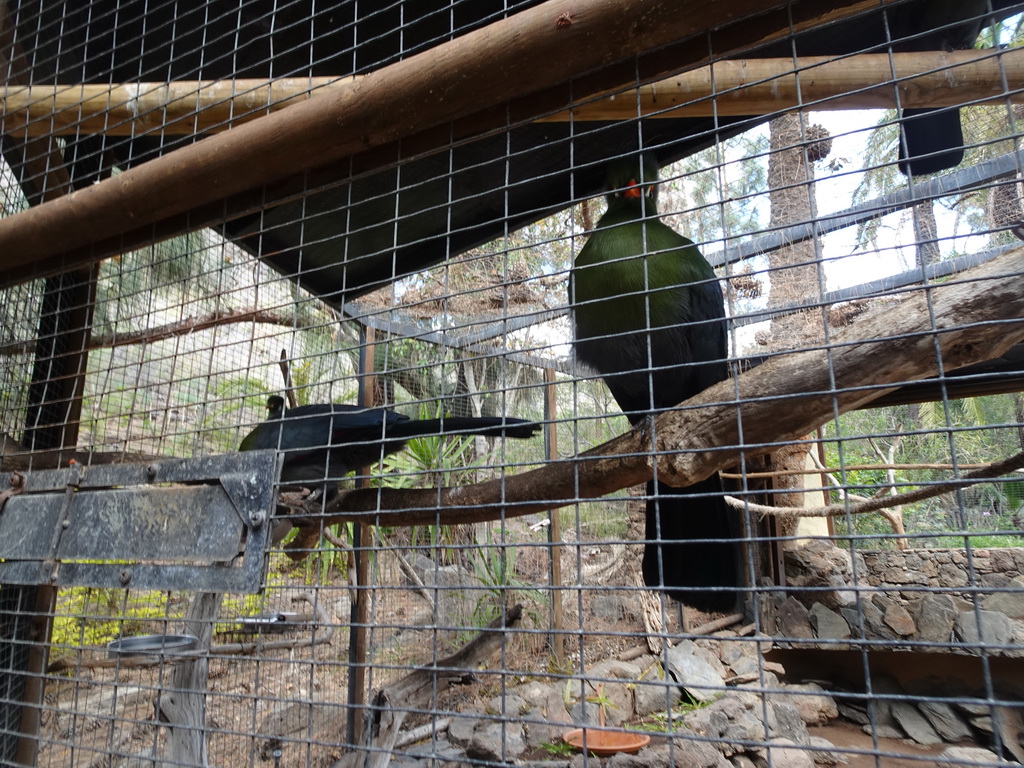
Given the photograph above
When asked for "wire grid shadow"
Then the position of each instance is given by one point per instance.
(665, 402)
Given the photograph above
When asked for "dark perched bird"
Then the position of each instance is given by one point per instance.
(650, 318)
(323, 443)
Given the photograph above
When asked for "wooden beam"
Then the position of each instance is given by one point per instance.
(727, 88)
(554, 53)
(744, 87)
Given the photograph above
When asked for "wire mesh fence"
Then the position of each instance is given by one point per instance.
(639, 401)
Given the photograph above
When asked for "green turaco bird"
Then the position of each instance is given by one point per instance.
(323, 443)
(649, 317)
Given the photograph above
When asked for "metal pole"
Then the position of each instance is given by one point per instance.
(555, 527)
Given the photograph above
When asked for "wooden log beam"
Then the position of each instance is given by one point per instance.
(744, 87)
(726, 88)
(554, 54)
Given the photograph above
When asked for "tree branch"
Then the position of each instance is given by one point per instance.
(819, 468)
(996, 469)
(184, 327)
(978, 318)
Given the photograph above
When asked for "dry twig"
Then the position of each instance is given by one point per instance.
(989, 472)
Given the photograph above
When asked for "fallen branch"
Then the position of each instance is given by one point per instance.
(425, 731)
(991, 471)
(710, 627)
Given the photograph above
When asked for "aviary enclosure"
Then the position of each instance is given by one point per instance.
(222, 221)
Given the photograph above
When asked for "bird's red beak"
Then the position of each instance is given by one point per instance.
(633, 189)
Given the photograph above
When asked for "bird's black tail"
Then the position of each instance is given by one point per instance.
(932, 140)
(484, 425)
(693, 549)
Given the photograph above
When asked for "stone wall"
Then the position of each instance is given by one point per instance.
(904, 597)
(947, 568)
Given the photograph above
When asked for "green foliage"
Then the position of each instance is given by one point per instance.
(328, 561)
(1014, 492)
(987, 542)
(661, 722)
(493, 564)
(433, 462)
(558, 748)
(88, 616)
(975, 431)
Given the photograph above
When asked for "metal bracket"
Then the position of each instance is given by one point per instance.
(199, 524)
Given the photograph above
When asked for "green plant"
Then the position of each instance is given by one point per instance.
(327, 557)
(558, 748)
(436, 461)
(603, 703)
(493, 565)
(661, 722)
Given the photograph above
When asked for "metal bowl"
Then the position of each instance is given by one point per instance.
(272, 622)
(149, 645)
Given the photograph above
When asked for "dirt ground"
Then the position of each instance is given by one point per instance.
(896, 754)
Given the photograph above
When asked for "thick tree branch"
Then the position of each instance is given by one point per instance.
(977, 317)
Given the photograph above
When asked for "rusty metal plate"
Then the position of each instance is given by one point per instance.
(185, 524)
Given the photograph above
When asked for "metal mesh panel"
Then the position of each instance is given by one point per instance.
(749, 276)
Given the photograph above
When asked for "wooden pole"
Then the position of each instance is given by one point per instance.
(183, 707)
(362, 536)
(594, 46)
(727, 88)
(179, 108)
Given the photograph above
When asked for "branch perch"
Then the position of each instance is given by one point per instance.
(978, 318)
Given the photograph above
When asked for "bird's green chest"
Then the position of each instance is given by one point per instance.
(633, 276)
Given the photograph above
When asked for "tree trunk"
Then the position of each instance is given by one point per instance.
(925, 233)
(794, 271)
(794, 280)
(183, 708)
